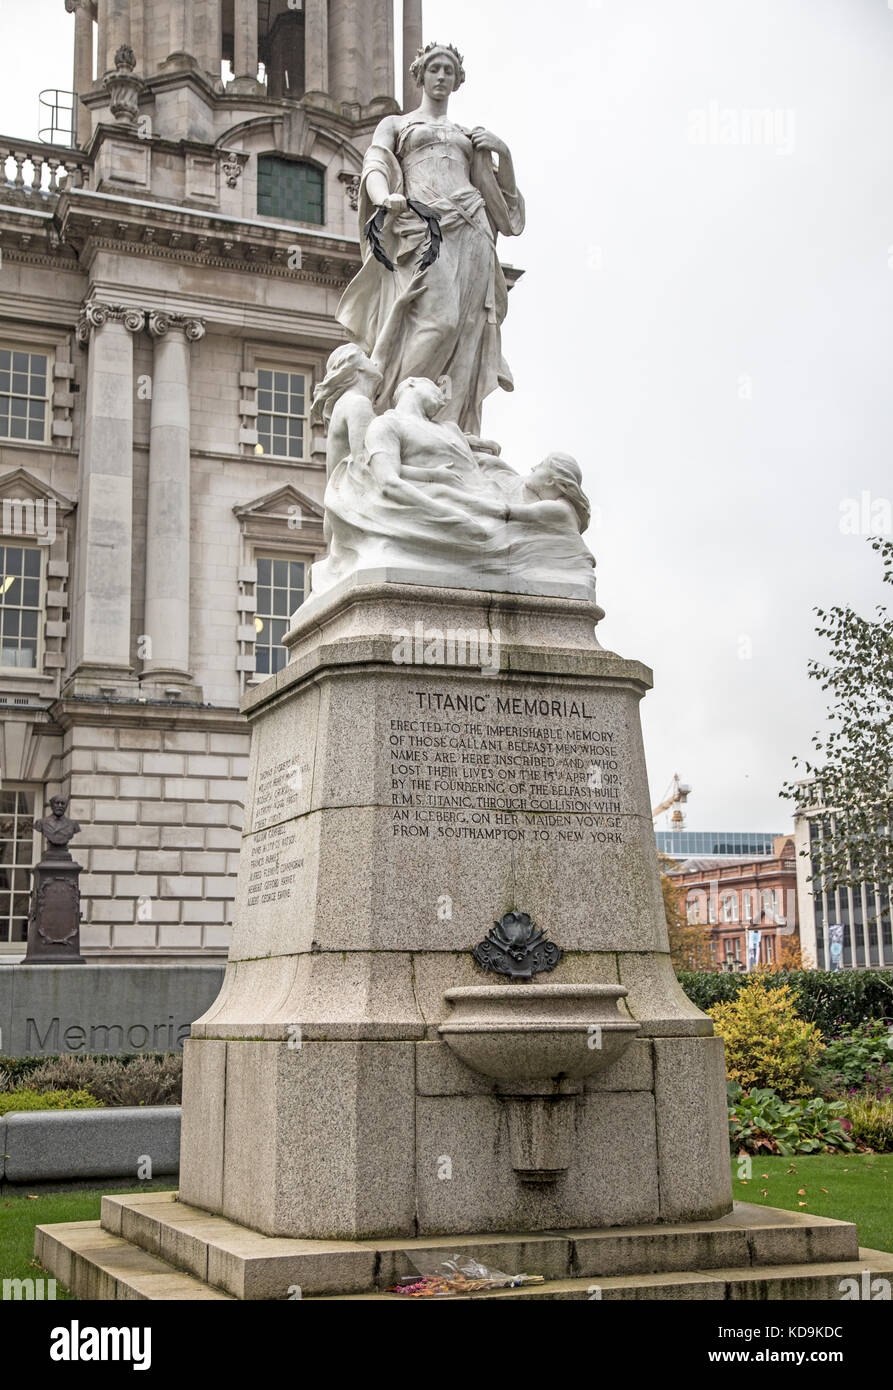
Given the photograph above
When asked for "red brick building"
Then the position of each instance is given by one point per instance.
(732, 897)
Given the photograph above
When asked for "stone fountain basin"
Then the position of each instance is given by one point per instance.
(528, 1032)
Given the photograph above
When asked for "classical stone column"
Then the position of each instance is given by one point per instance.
(181, 29)
(104, 558)
(316, 45)
(412, 42)
(350, 35)
(245, 41)
(166, 622)
(382, 48)
(207, 35)
(83, 11)
(114, 29)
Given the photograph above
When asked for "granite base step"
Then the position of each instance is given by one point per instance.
(152, 1246)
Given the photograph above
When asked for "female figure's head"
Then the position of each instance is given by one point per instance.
(560, 476)
(430, 397)
(347, 369)
(439, 70)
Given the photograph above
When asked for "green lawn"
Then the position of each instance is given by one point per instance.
(20, 1212)
(850, 1187)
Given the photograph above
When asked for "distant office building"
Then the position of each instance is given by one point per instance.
(737, 898)
(715, 844)
(862, 915)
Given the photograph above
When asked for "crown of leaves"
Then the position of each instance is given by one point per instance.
(421, 58)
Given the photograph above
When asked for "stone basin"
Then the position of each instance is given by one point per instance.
(536, 1032)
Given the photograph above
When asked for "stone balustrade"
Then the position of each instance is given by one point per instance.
(28, 166)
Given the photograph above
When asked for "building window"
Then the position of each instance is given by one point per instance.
(730, 907)
(770, 949)
(748, 905)
(291, 190)
(281, 412)
(732, 950)
(693, 911)
(771, 905)
(24, 395)
(20, 607)
(280, 592)
(17, 859)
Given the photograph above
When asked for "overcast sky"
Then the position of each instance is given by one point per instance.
(706, 322)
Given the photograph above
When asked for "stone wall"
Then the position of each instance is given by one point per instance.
(162, 814)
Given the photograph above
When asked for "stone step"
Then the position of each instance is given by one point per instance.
(248, 1265)
(98, 1265)
(810, 1282)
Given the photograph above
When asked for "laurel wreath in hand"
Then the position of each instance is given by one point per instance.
(375, 226)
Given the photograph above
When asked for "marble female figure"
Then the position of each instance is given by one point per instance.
(381, 510)
(342, 404)
(443, 321)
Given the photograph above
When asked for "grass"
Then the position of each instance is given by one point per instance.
(849, 1187)
(21, 1211)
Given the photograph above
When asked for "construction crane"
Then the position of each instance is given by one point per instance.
(677, 797)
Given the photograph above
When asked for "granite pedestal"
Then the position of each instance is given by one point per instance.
(362, 1095)
(395, 812)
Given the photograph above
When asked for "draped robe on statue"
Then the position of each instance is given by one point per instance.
(444, 321)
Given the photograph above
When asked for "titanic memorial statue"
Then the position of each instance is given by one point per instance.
(449, 1007)
(448, 883)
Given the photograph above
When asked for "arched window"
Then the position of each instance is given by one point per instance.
(290, 190)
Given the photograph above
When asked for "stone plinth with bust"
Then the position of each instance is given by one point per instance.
(449, 1014)
(55, 920)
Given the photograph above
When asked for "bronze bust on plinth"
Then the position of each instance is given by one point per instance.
(55, 921)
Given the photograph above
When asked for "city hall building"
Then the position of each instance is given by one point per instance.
(169, 279)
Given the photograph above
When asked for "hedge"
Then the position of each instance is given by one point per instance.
(13, 1101)
(823, 997)
(17, 1068)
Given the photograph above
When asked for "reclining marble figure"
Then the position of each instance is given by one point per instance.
(407, 490)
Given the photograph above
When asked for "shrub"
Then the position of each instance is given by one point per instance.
(32, 1099)
(860, 1058)
(14, 1070)
(827, 998)
(761, 1122)
(871, 1121)
(139, 1081)
(767, 1044)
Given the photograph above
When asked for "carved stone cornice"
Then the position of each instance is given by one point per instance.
(95, 315)
(161, 323)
